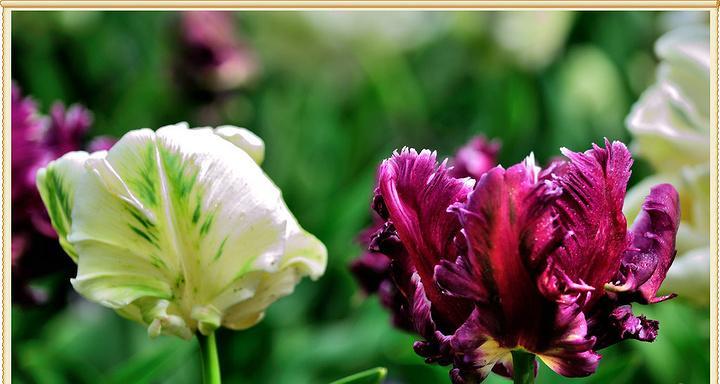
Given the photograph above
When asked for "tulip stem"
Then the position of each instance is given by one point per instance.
(210, 362)
(523, 367)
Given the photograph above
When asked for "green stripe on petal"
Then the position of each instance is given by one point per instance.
(56, 184)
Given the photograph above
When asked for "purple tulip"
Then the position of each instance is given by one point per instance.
(524, 259)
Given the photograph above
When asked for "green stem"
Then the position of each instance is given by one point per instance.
(210, 362)
(523, 367)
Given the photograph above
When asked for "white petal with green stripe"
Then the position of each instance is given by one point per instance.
(57, 183)
(181, 230)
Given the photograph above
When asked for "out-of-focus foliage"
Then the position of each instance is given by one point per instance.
(332, 98)
(370, 376)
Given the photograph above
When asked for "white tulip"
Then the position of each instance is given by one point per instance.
(671, 129)
(179, 229)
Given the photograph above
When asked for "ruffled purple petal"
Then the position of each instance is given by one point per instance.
(416, 193)
(633, 327)
(556, 285)
(611, 323)
(457, 279)
(435, 348)
(510, 232)
(570, 364)
(647, 260)
(589, 210)
(571, 351)
(477, 351)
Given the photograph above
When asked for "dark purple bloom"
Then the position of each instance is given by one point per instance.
(36, 140)
(531, 259)
(213, 56)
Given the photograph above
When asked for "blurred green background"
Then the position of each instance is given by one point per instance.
(335, 93)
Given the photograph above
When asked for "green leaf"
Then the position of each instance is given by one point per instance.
(153, 362)
(371, 376)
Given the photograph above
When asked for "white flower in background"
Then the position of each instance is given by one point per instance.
(671, 20)
(179, 229)
(383, 30)
(533, 38)
(671, 129)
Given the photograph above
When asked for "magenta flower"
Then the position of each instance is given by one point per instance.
(475, 158)
(524, 259)
(372, 268)
(36, 140)
(27, 129)
(214, 57)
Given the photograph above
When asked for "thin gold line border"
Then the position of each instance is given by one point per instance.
(169, 5)
(362, 4)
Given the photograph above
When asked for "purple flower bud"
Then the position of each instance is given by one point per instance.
(475, 158)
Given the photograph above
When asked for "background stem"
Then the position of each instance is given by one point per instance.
(210, 362)
(523, 367)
